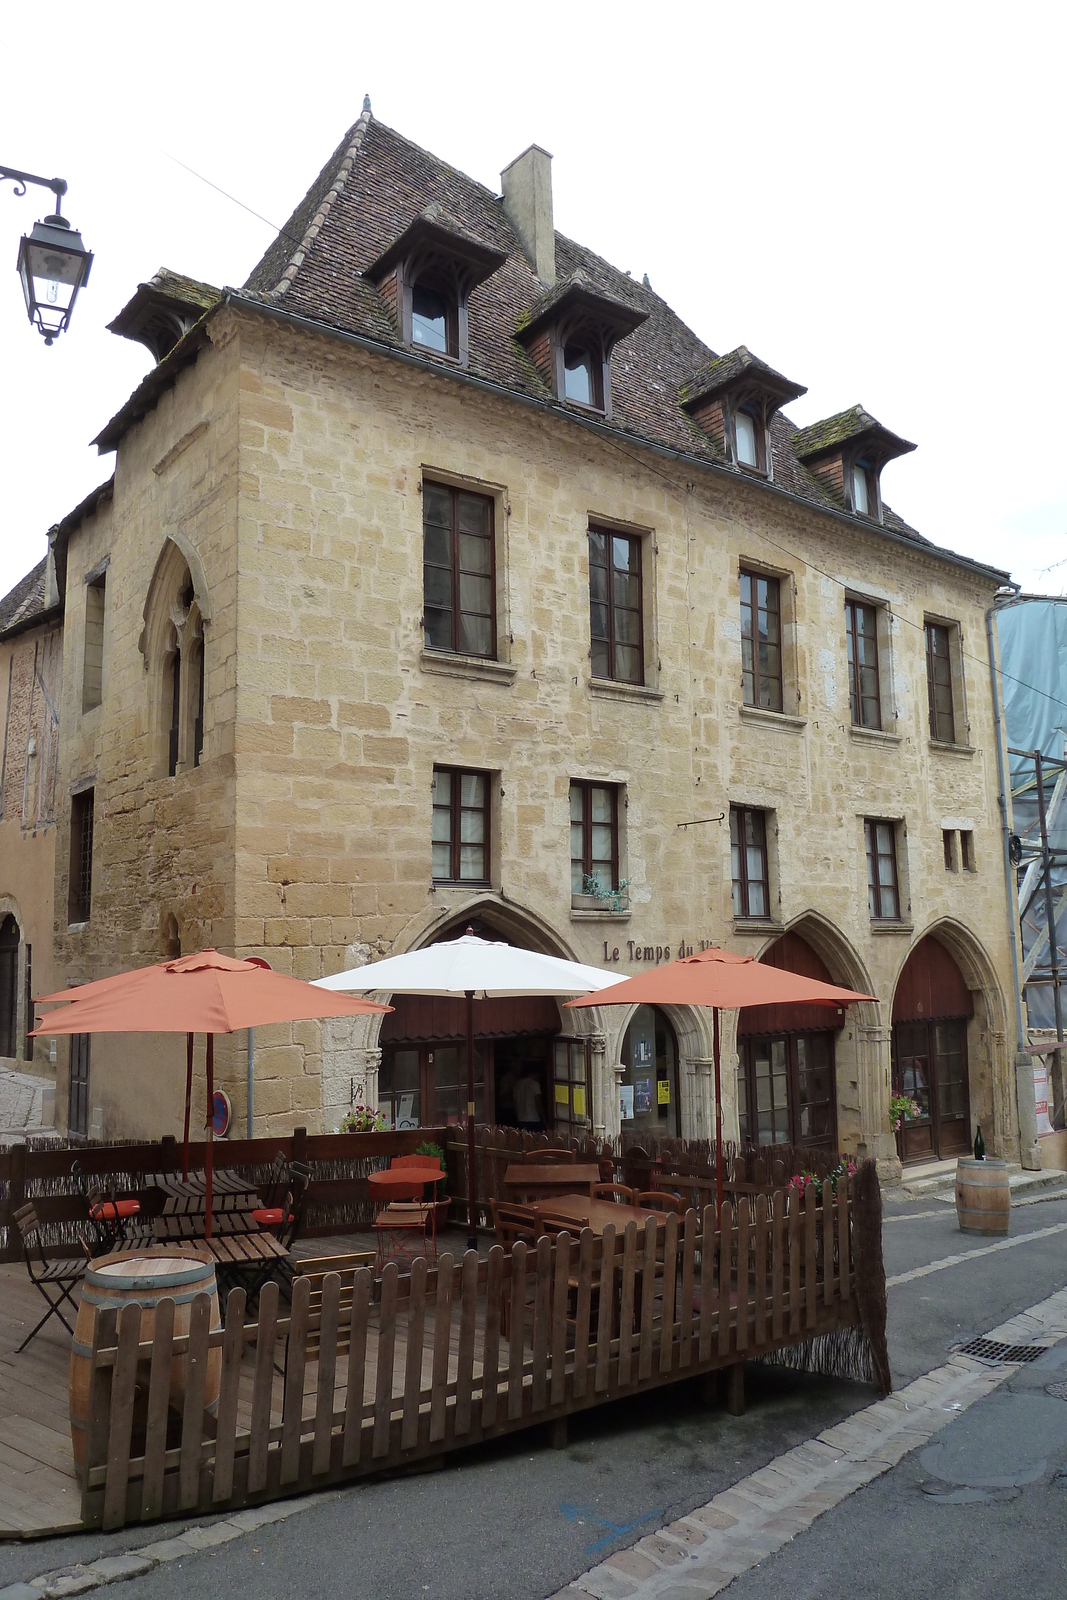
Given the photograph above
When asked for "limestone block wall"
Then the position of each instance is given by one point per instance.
(30, 676)
(340, 716)
(163, 846)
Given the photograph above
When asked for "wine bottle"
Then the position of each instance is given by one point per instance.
(979, 1145)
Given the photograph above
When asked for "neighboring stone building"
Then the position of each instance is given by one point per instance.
(31, 661)
(447, 577)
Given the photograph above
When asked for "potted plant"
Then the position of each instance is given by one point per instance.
(433, 1152)
(595, 896)
(902, 1108)
(362, 1119)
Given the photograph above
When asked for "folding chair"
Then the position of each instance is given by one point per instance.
(400, 1220)
(284, 1222)
(109, 1215)
(55, 1280)
(274, 1210)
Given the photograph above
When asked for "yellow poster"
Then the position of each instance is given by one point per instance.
(663, 1092)
(579, 1101)
(563, 1094)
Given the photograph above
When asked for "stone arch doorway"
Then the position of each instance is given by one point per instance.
(649, 1098)
(932, 1012)
(535, 1066)
(9, 986)
(786, 1077)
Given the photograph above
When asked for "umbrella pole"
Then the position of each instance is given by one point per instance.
(472, 1179)
(209, 1130)
(188, 1104)
(718, 1115)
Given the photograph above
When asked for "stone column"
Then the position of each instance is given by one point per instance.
(703, 1079)
(598, 1081)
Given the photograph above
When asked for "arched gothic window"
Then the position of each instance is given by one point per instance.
(173, 647)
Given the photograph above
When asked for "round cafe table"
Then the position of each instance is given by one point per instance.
(403, 1183)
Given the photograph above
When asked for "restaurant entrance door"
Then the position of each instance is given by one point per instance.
(931, 1009)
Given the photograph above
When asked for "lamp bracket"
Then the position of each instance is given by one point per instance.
(58, 186)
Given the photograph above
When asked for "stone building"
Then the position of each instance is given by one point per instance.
(447, 578)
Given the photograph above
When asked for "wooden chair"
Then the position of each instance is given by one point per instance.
(616, 1192)
(109, 1215)
(56, 1280)
(513, 1222)
(548, 1158)
(276, 1198)
(659, 1200)
(316, 1268)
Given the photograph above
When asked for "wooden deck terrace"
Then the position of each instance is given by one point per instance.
(384, 1373)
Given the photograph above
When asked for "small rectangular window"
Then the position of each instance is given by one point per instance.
(861, 632)
(967, 850)
(80, 894)
(861, 500)
(460, 831)
(761, 641)
(93, 660)
(594, 838)
(616, 626)
(748, 862)
(948, 841)
(883, 893)
(745, 432)
(939, 683)
(459, 578)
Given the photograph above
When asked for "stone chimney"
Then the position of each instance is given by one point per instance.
(527, 189)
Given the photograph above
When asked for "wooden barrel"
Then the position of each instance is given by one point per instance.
(983, 1199)
(112, 1282)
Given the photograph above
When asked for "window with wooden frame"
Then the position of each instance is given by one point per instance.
(435, 316)
(939, 682)
(583, 376)
(761, 641)
(787, 1090)
(460, 828)
(572, 1097)
(750, 435)
(80, 888)
(616, 619)
(864, 494)
(594, 838)
(459, 576)
(883, 884)
(864, 693)
(748, 862)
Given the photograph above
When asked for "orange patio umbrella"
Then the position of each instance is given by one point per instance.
(724, 981)
(203, 993)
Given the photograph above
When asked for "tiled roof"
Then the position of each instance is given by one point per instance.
(372, 189)
(25, 602)
(856, 423)
(726, 370)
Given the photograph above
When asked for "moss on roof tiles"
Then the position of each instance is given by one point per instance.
(854, 423)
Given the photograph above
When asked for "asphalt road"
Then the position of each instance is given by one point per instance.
(520, 1520)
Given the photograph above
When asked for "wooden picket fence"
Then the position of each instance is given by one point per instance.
(383, 1373)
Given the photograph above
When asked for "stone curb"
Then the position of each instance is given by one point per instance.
(697, 1556)
(190, 1541)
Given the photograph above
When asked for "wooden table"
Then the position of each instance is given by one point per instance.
(549, 1179)
(195, 1185)
(600, 1214)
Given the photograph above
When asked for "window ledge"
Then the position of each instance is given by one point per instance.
(624, 691)
(891, 925)
(873, 735)
(466, 884)
(456, 666)
(772, 719)
(584, 914)
(761, 926)
(945, 749)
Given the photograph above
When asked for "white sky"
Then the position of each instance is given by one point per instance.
(868, 196)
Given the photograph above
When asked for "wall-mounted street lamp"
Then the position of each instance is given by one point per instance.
(53, 262)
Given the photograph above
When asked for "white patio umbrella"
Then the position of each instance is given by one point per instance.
(474, 969)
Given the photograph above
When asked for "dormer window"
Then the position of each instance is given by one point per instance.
(430, 319)
(734, 400)
(426, 278)
(846, 453)
(570, 336)
(745, 430)
(578, 383)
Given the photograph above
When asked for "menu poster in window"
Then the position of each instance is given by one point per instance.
(642, 1052)
(626, 1101)
(642, 1096)
(405, 1108)
(663, 1092)
(579, 1100)
(563, 1094)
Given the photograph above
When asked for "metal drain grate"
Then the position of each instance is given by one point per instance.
(992, 1350)
(1058, 1391)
